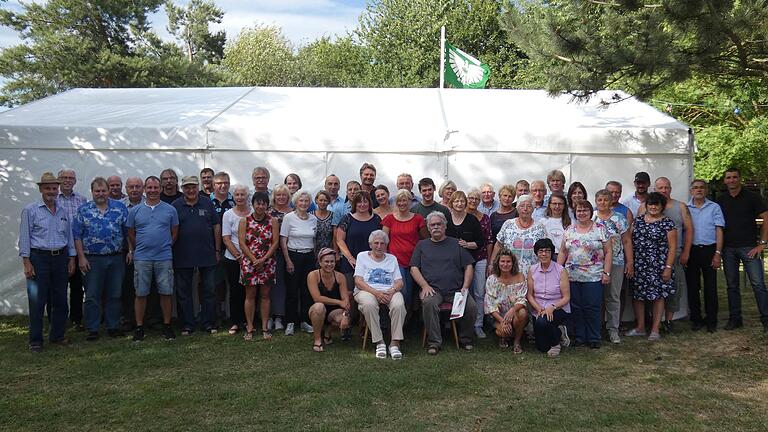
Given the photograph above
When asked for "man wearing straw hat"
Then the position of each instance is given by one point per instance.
(47, 251)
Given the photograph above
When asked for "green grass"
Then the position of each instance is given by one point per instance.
(687, 382)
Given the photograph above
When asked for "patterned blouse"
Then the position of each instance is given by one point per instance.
(485, 226)
(501, 298)
(616, 225)
(324, 233)
(521, 241)
(585, 252)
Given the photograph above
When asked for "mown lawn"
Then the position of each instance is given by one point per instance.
(687, 382)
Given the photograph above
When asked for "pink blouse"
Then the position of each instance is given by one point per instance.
(546, 285)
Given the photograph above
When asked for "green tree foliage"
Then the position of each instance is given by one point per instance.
(730, 119)
(72, 43)
(403, 40)
(703, 61)
(640, 45)
(334, 63)
(261, 56)
(190, 26)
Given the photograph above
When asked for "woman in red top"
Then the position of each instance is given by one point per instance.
(405, 229)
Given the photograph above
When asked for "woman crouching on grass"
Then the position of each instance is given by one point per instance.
(328, 289)
(549, 294)
(505, 292)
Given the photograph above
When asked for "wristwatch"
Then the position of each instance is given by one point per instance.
(607, 274)
(763, 242)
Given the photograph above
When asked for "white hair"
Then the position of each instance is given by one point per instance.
(378, 233)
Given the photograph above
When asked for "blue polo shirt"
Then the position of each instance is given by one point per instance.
(153, 231)
(195, 245)
(705, 222)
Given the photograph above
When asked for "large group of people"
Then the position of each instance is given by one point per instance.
(539, 263)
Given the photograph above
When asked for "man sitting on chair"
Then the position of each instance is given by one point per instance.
(442, 268)
(378, 281)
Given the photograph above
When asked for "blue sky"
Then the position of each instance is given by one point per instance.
(302, 21)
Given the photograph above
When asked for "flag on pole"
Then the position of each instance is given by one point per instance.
(464, 71)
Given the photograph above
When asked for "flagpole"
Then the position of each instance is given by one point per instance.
(442, 56)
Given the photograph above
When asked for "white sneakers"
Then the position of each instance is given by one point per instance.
(289, 329)
(278, 323)
(307, 328)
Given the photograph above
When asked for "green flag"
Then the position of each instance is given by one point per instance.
(464, 71)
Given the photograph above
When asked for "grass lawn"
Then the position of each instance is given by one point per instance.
(687, 382)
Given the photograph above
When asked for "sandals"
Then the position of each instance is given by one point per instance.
(266, 335)
(381, 350)
(248, 335)
(517, 349)
(395, 353)
(503, 343)
(317, 347)
(234, 329)
(327, 340)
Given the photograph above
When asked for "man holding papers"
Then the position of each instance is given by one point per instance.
(442, 268)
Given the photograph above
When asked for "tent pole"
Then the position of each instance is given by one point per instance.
(442, 56)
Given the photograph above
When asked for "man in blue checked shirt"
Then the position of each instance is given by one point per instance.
(99, 231)
(47, 251)
(70, 201)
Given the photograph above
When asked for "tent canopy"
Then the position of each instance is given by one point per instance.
(469, 136)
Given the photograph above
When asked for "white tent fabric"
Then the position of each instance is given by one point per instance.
(469, 136)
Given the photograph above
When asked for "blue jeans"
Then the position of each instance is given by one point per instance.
(48, 286)
(754, 269)
(478, 290)
(407, 290)
(184, 289)
(104, 279)
(586, 298)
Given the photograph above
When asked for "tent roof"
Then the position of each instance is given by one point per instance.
(341, 119)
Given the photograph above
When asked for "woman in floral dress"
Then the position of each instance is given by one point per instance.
(654, 239)
(258, 238)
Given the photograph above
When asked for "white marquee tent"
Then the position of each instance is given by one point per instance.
(469, 136)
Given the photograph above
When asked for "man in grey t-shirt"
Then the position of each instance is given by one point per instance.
(441, 268)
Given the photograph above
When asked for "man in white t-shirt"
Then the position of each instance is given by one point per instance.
(378, 282)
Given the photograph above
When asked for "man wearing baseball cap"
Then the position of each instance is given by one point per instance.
(642, 182)
(197, 246)
(47, 251)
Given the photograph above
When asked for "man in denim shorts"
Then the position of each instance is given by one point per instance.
(152, 228)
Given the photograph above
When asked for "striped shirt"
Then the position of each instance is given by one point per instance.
(41, 229)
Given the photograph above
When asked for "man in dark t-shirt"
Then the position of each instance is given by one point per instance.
(441, 268)
(428, 203)
(741, 243)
